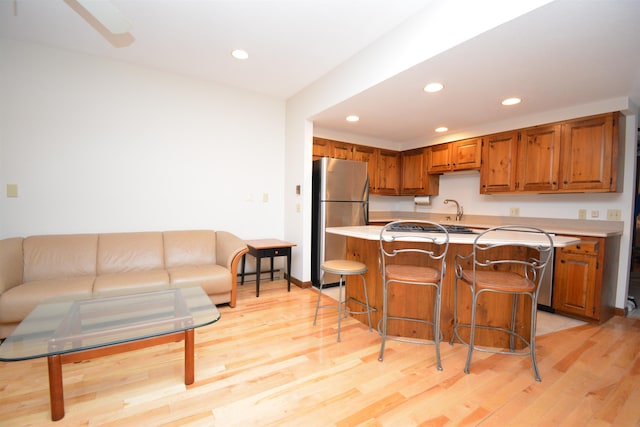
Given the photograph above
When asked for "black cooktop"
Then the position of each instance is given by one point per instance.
(422, 228)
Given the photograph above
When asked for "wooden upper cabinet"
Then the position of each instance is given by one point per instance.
(455, 156)
(329, 148)
(589, 153)
(342, 150)
(363, 153)
(539, 159)
(466, 154)
(440, 158)
(321, 148)
(499, 154)
(388, 173)
(573, 156)
(415, 181)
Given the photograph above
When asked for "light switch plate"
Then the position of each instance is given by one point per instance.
(12, 190)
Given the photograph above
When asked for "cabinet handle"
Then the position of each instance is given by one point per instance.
(562, 261)
(577, 246)
(566, 182)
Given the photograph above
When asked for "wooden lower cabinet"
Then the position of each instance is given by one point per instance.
(585, 279)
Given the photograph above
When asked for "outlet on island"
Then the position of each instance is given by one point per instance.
(514, 211)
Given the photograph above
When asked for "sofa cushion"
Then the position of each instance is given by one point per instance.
(138, 281)
(11, 263)
(59, 256)
(124, 252)
(214, 279)
(192, 247)
(17, 303)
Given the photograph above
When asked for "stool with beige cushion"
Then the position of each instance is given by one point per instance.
(342, 268)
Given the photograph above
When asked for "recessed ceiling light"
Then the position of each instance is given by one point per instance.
(433, 87)
(353, 118)
(442, 129)
(511, 101)
(240, 54)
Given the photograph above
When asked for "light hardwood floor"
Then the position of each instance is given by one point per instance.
(265, 364)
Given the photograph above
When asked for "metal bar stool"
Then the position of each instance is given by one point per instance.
(344, 268)
(503, 268)
(413, 253)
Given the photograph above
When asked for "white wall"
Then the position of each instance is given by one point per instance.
(100, 146)
(465, 188)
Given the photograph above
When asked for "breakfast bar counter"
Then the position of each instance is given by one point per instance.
(363, 244)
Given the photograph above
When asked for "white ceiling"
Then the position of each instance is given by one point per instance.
(566, 53)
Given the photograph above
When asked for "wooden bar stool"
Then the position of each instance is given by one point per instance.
(344, 268)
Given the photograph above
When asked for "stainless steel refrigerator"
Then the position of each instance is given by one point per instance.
(340, 198)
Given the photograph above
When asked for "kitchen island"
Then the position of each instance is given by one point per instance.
(363, 244)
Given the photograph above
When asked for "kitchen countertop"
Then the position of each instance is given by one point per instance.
(572, 227)
(372, 232)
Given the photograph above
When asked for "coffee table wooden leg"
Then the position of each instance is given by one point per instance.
(189, 356)
(55, 387)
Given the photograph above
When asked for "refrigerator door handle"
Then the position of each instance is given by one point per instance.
(365, 206)
(366, 201)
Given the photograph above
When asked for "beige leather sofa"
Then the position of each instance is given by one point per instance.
(36, 268)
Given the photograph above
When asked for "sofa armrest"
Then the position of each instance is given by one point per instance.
(229, 251)
(11, 263)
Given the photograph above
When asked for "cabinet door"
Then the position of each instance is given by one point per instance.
(342, 150)
(574, 284)
(363, 153)
(414, 171)
(321, 148)
(388, 172)
(415, 181)
(439, 158)
(499, 155)
(589, 149)
(466, 154)
(539, 159)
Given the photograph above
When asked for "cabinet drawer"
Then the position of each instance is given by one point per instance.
(586, 247)
(270, 252)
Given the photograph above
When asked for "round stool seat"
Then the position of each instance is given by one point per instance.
(344, 267)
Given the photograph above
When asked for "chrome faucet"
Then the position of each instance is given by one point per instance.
(459, 211)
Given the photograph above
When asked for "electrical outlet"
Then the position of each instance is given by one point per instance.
(265, 197)
(614, 214)
(514, 211)
(595, 214)
(582, 214)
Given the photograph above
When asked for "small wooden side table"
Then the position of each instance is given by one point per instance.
(271, 248)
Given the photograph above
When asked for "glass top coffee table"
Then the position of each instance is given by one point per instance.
(67, 331)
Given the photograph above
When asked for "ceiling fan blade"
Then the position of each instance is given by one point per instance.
(106, 19)
(107, 14)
